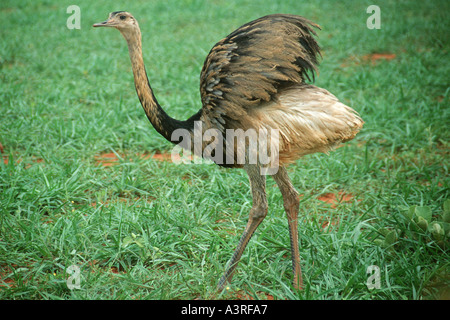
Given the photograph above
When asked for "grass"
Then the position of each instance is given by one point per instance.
(147, 229)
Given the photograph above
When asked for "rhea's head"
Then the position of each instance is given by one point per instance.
(122, 21)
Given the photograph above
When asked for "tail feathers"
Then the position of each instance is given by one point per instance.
(310, 119)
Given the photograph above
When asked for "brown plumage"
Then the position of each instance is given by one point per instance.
(254, 79)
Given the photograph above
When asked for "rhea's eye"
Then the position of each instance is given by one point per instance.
(123, 17)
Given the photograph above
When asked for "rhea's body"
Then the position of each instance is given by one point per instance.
(255, 79)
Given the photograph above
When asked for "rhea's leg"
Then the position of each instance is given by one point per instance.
(256, 216)
(291, 205)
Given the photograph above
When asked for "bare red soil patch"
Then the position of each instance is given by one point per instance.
(162, 156)
(27, 165)
(334, 199)
(107, 159)
(372, 58)
(110, 158)
(5, 281)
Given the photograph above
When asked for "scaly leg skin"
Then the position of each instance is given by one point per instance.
(291, 206)
(256, 216)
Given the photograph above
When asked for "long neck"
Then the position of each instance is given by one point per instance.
(162, 122)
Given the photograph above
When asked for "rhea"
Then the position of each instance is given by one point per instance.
(256, 79)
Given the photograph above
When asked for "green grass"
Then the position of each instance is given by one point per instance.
(146, 229)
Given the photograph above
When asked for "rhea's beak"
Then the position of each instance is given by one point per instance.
(107, 23)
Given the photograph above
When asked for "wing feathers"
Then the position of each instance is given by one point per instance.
(254, 62)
